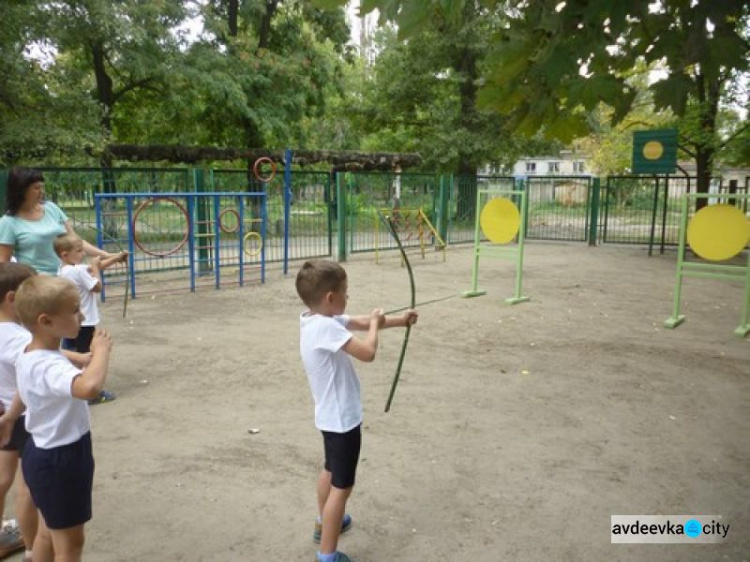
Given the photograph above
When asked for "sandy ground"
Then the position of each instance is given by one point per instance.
(515, 434)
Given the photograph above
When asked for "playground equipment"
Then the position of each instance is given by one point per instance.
(499, 219)
(411, 224)
(191, 230)
(717, 232)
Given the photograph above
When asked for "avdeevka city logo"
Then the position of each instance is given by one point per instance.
(687, 529)
(693, 528)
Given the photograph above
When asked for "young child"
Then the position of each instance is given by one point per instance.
(326, 345)
(58, 464)
(13, 339)
(88, 281)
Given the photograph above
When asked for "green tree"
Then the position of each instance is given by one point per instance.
(557, 60)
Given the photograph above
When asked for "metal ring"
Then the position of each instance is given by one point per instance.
(179, 245)
(257, 170)
(236, 226)
(255, 252)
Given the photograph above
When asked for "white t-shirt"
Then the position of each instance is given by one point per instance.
(333, 381)
(53, 416)
(84, 282)
(13, 340)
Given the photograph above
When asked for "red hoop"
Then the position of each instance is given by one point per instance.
(257, 171)
(221, 225)
(179, 245)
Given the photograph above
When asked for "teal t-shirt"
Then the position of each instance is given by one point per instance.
(32, 240)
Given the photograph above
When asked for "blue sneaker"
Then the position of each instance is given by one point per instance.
(346, 524)
(104, 396)
(340, 557)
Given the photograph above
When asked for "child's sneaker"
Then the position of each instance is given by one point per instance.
(346, 524)
(340, 557)
(10, 538)
(104, 397)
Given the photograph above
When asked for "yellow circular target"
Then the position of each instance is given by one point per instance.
(500, 220)
(653, 150)
(718, 232)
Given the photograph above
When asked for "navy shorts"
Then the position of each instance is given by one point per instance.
(18, 437)
(60, 481)
(82, 342)
(342, 456)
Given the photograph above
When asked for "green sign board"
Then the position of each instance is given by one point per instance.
(655, 152)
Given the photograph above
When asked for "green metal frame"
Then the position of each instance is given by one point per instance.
(708, 270)
(504, 252)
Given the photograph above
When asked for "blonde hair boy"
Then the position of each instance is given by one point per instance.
(58, 463)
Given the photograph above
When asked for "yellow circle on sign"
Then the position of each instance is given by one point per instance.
(500, 220)
(718, 232)
(653, 150)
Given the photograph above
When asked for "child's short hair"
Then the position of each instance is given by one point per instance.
(42, 294)
(318, 277)
(12, 274)
(66, 242)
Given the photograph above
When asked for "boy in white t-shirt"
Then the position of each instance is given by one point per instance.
(13, 339)
(326, 345)
(88, 281)
(58, 463)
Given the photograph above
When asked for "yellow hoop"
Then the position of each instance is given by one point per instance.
(255, 236)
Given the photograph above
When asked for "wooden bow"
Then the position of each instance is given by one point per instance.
(392, 229)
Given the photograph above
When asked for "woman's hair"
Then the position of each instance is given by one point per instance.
(19, 181)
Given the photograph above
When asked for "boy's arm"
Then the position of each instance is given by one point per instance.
(17, 407)
(364, 349)
(363, 322)
(8, 419)
(90, 382)
(119, 257)
(78, 359)
(94, 270)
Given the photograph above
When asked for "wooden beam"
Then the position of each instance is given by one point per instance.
(339, 160)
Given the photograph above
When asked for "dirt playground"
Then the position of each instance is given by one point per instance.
(515, 433)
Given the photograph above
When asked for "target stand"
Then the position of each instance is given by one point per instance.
(718, 232)
(501, 222)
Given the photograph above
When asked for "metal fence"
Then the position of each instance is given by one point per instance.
(308, 214)
(643, 209)
(559, 208)
(367, 193)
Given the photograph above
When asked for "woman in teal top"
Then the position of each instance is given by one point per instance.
(30, 226)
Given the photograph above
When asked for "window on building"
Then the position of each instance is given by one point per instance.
(531, 167)
(554, 167)
(579, 167)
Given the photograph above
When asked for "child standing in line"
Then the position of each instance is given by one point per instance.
(13, 339)
(326, 347)
(58, 463)
(88, 281)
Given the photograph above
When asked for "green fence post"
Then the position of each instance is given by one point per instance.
(199, 186)
(594, 219)
(442, 209)
(341, 215)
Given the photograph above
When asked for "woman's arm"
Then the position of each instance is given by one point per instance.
(88, 249)
(6, 252)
